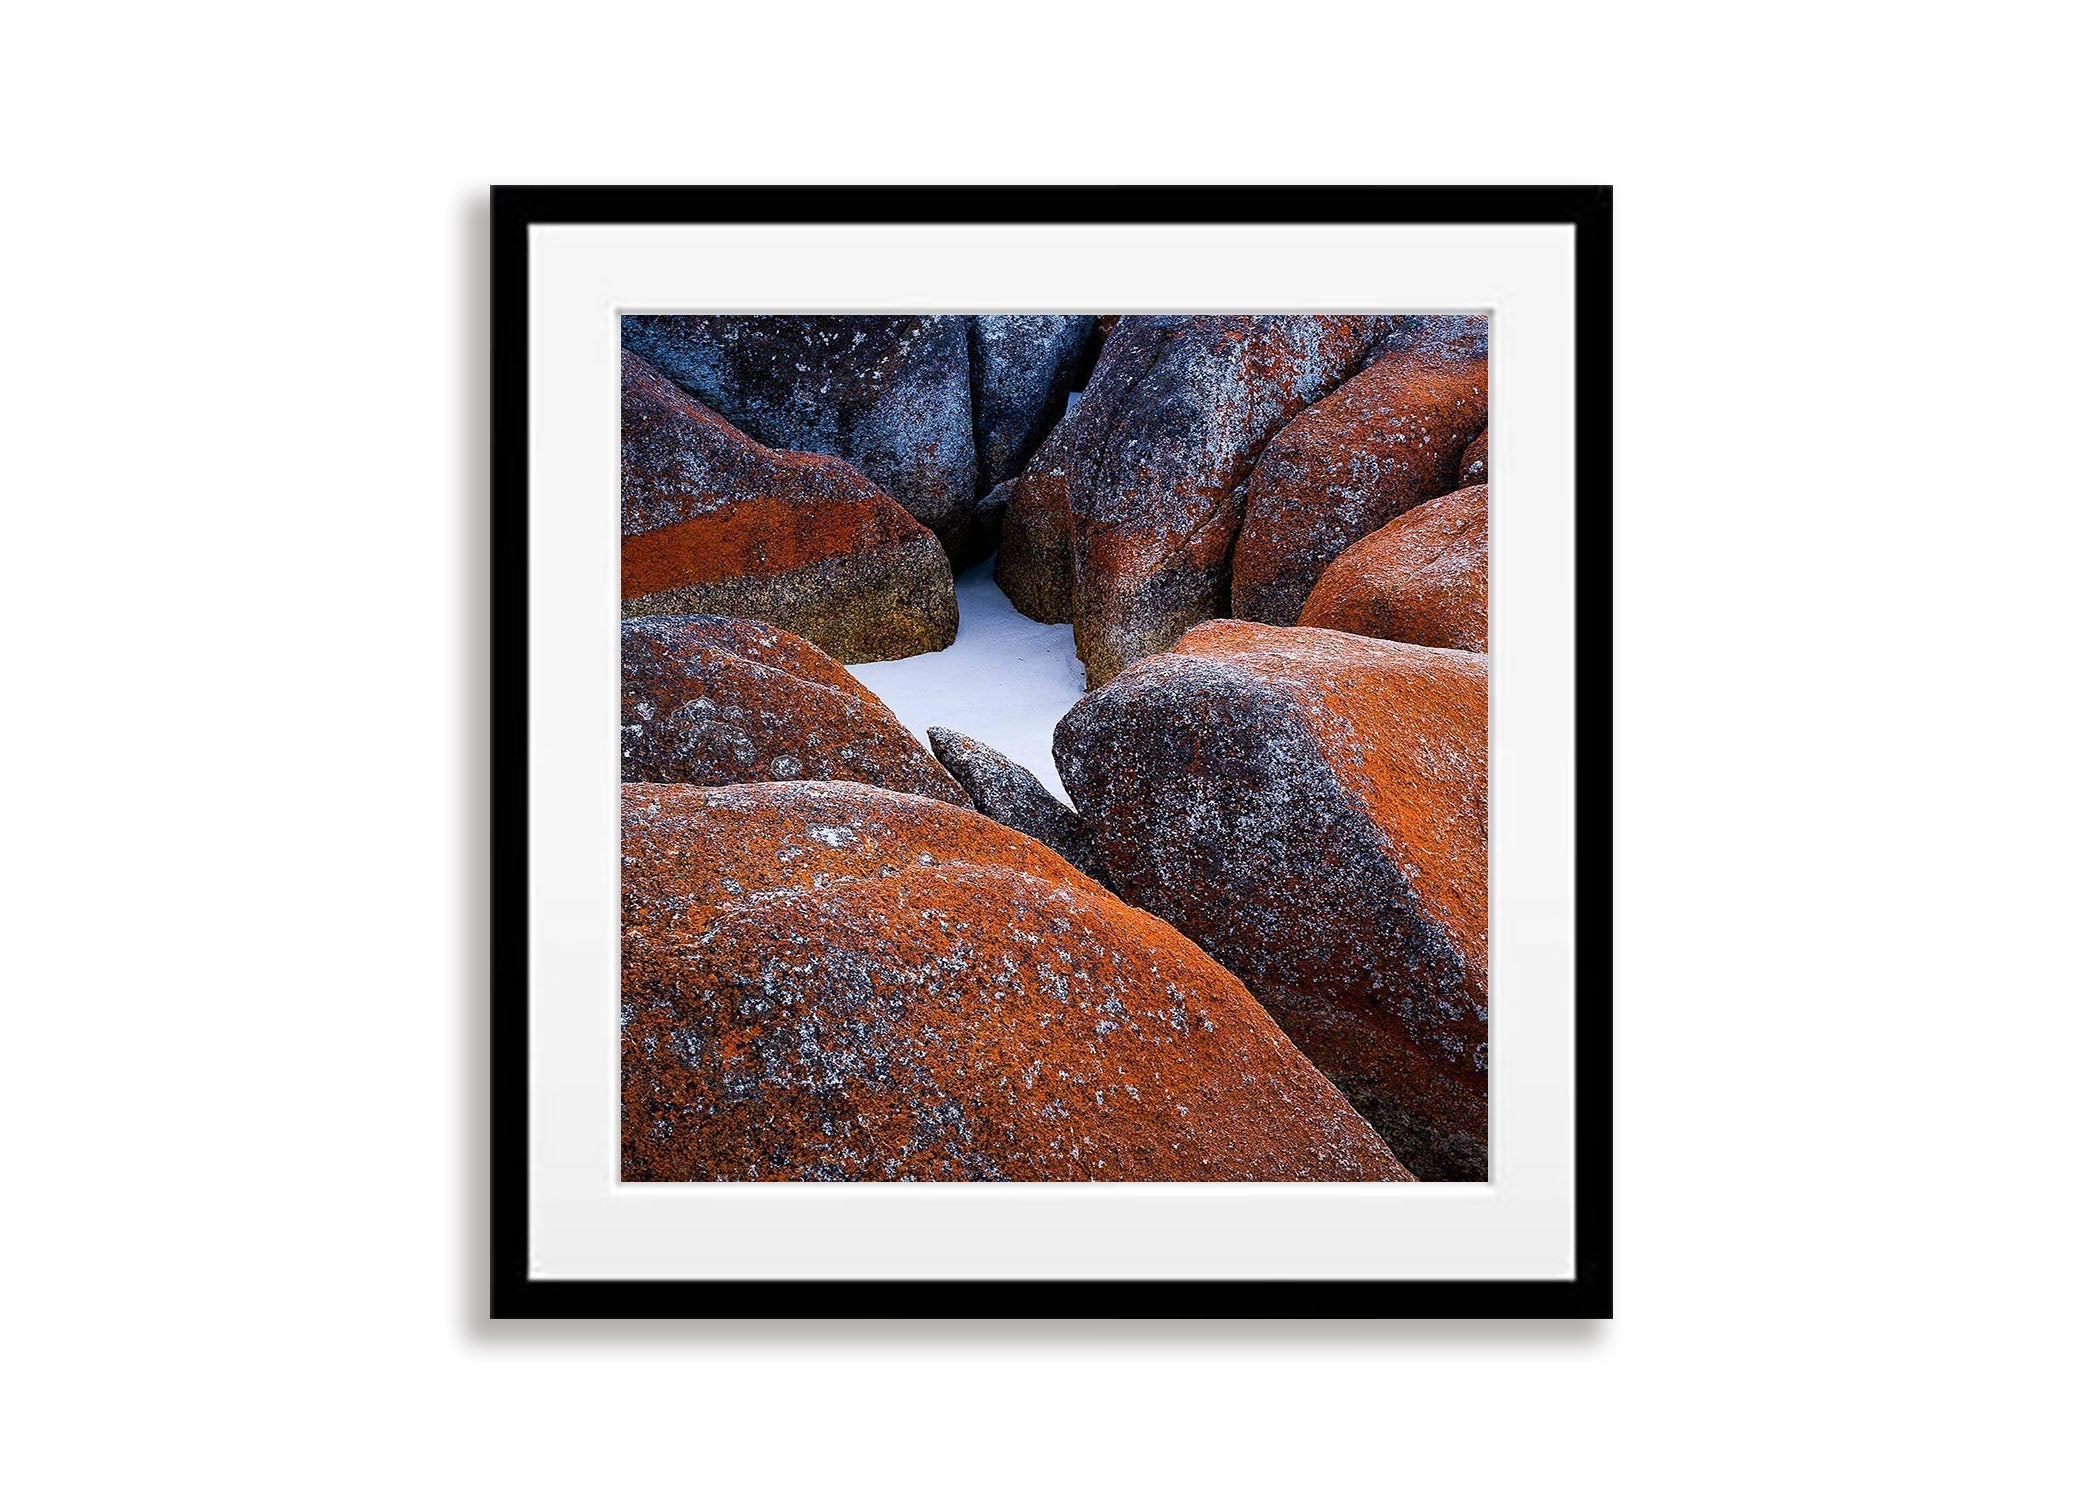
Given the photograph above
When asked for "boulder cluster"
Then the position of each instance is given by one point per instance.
(1249, 941)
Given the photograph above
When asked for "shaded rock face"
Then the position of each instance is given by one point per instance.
(1021, 369)
(710, 700)
(1422, 578)
(1311, 807)
(980, 538)
(1009, 794)
(1124, 521)
(1388, 439)
(823, 981)
(1473, 463)
(1034, 565)
(714, 523)
(889, 395)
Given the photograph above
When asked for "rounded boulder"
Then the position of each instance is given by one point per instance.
(709, 700)
(1311, 808)
(1422, 578)
(826, 981)
(714, 523)
(1391, 437)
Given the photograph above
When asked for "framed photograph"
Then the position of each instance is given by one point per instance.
(1051, 752)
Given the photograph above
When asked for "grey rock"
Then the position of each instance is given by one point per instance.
(1021, 370)
(891, 396)
(1008, 794)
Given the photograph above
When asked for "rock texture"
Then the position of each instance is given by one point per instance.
(1010, 794)
(833, 982)
(1021, 369)
(1311, 807)
(711, 700)
(714, 523)
(1124, 521)
(1034, 565)
(1388, 439)
(1422, 578)
(1473, 463)
(889, 395)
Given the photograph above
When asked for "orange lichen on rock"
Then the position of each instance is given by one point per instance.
(714, 523)
(712, 701)
(1311, 807)
(826, 981)
(1391, 437)
(1422, 578)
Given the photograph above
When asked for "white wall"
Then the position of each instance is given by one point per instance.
(244, 506)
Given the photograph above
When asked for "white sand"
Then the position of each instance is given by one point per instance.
(1005, 681)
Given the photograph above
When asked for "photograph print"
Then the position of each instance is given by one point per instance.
(1054, 748)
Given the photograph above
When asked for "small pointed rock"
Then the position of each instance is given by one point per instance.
(1007, 793)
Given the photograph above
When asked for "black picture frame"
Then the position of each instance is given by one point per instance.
(515, 1294)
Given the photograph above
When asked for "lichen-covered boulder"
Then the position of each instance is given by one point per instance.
(1009, 793)
(1311, 807)
(714, 523)
(1034, 565)
(825, 981)
(891, 396)
(1124, 520)
(1473, 463)
(1391, 437)
(1422, 578)
(712, 701)
(1021, 369)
